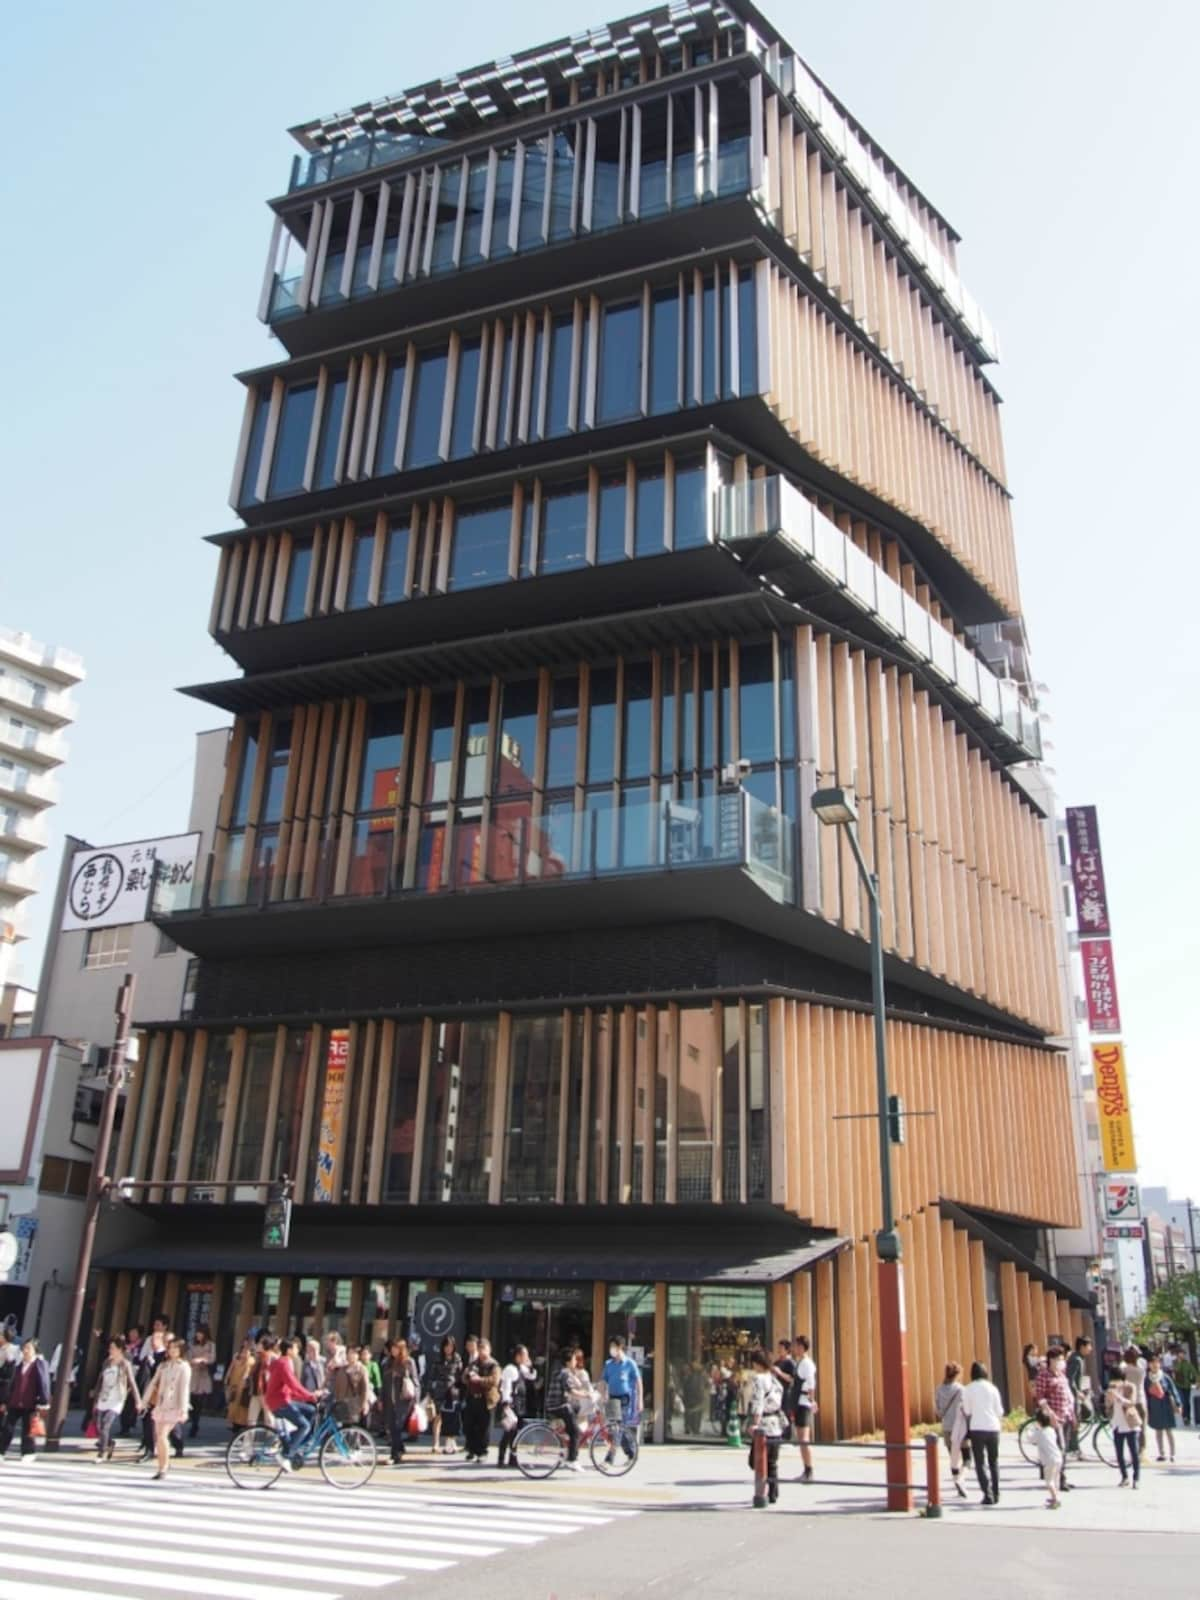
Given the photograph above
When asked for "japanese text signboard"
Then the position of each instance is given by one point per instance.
(1112, 1103)
(111, 885)
(1087, 872)
(1100, 986)
(332, 1106)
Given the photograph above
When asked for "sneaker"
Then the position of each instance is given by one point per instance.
(1124, 1483)
(959, 1490)
(610, 1458)
(26, 1460)
(807, 1475)
(575, 1466)
(285, 1464)
(1134, 1484)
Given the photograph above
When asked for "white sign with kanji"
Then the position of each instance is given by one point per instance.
(111, 884)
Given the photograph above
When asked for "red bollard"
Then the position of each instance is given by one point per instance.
(933, 1475)
(758, 1454)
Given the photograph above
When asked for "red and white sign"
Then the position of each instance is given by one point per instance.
(1100, 986)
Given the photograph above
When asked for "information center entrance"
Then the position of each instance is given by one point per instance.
(547, 1318)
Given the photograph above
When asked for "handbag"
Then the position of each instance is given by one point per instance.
(37, 1426)
(412, 1426)
(91, 1431)
(1155, 1391)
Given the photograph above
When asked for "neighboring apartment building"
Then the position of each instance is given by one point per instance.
(634, 469)
(16, 1011)
(52, 1083)
(34, 709)
(1182, 1217)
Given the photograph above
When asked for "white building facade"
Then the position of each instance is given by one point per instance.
(35, 707)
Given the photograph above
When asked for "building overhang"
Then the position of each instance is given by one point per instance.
(971, 1224)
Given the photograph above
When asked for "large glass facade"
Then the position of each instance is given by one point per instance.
(711, 1330)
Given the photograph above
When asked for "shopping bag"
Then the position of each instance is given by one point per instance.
(91, 1431)
(37, 1427)
(413, 1426)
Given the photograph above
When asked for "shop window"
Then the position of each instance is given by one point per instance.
(711, 1330)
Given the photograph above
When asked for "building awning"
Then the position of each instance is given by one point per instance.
(501, 1248)
(1000, 1247)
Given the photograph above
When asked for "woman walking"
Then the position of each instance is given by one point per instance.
(239, 1386)
(312, 1369)
(28, 1394)
(400, 1389)
(947, 1400)
(1163, 1405)
(200, 1358)
(167, 1400)
(983, 1410)
(482, 1381)
(115, 1385)
(1127, 1418)
(764, 1414)
(515, 1382)
(445, 1390)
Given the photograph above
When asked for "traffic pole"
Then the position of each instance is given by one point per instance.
(758, 1451)
(933, 1476)
(97, 1188)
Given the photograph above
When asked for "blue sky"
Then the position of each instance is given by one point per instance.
(1059, 139)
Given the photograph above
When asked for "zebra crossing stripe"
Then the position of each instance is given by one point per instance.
(154, 1578)
(10, 1589)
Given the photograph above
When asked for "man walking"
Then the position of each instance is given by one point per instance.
(623, 1380)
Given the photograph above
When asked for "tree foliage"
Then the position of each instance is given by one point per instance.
(1174, 1305)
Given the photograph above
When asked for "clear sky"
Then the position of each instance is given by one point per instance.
(1059, 138)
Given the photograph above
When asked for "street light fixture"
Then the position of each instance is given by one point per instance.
(836, 808)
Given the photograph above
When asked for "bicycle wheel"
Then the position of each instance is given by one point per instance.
(254, 1458)
(347, 1458)
(538, 1449)
(1027, 1443)
(1104, 1444)
(614, 1449)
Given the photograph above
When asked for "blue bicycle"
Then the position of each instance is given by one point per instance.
(255, 1457)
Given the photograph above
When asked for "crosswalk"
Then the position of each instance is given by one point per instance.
(92, 1532)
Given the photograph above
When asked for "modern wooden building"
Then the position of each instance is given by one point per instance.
(633, 470)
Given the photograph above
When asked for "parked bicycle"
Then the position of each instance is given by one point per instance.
(541, 1446)
(1096, 1430)
(255, 1457)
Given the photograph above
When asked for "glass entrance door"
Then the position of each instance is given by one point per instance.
(547, 1319)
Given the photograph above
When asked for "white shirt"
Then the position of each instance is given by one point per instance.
(983, 1407)
(806, 1380)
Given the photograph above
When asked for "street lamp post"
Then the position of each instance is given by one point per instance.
(836, 808)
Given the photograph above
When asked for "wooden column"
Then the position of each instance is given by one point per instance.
(1010, 1302)
(660, 1363)
(191, 1112)
(600, 1331)
(828, 1416)
(233, 1095)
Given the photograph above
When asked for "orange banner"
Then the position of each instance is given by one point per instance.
(336, 1060)
(1112, 1102)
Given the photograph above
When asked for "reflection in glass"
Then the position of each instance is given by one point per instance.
(610, 522)
(621, 362)
(331, 428)
(291, 444)
(481, 542)
(425, 423)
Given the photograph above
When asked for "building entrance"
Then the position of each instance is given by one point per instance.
(547, 1318)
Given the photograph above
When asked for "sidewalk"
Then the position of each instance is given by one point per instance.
(848, 1483)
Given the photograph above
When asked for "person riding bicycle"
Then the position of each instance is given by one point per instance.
(289, 1401)
(570, 1397)
(623, 1380)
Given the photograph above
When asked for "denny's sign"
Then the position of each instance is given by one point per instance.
(1112, 1102)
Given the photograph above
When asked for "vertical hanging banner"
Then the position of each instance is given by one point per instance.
(1087, 872)
(1100, 985)
(1112, 1102)
(337, 1056)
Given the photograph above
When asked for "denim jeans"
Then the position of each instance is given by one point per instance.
(300, 1414)
(106, 1421)
(1132, 1442)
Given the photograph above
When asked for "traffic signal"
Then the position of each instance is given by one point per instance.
(277, 1218)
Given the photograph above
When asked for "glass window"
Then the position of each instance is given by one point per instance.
(747, 334)
(533, 194)
(635, 726)
(602, 725)
(380, 788)
(446, 218)
(472, 239)
(296, 589)
(458, 1139)
(291, 443)
(690, 508)
(683, 148)
(212, 1113)
(562, 732)
(292, 1091)
(756, 696)
(277, 767)
(254, 449)
(534, 1108)
(610, 528)
(711, 1330)
(606, 175)
(518, 734)
(331, 429)
(558, 393)
(733, 156)
(502, 209)
(621, 362)
(395, 562)
(252, 1112)
(756, 1099)
(107, 947)
(241, 803)
(664, 351)
(425, 423)
(467, 383)
(361, 558)
(710, 380)
(482, 535)
(787, 703)
(652, 195)
(600, 853)
(564, 528)
(562, 210)
(697, 1079)
(389, 427)
(474, 764)
(402, 1112)
(649, 512)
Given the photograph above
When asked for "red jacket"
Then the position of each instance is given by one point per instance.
(283, 1385)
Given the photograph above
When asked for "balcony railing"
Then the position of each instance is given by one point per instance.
(53, 704)
(45, 657)
(377, 149)
(772, 507)
(440, 850)
(32, 741)
(16, 877)
(33, 787)
(22, 833)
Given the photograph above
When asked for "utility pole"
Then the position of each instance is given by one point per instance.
(98, 1187)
